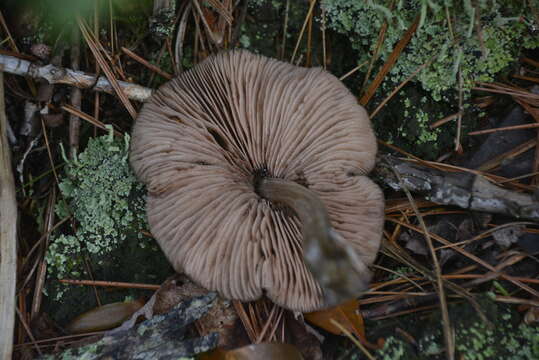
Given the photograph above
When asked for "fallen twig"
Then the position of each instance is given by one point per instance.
(468, 191)
(126, 285)
(75, 98)
(309, 13)
(95, 47)
(369, 93)
(145, 62)
(505, 128)
(41, 272)
(90, 119)
(82, 80)
(8, 237)
(446, 119)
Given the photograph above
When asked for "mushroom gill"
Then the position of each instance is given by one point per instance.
(239, 154)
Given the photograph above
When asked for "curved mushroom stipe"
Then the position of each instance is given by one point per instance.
(206, 139)
(334, 263)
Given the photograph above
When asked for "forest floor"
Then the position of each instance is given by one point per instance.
(453, 279)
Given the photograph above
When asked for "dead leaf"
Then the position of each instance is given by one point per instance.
(266, 351)
(104, 317)
(346, 314)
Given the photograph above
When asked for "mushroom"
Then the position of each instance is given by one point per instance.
(256, 177)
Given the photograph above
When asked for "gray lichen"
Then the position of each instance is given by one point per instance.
(162, 22)
(108, 207)
(479, 41)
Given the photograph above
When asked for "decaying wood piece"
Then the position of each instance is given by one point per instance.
(8, 237)
(58, 75)
(466, 190)
(162, 337)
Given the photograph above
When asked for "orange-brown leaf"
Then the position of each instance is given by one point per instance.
(346, 314)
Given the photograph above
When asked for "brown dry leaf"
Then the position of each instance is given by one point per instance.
(265, 351)
(346, 314)
(104, 317)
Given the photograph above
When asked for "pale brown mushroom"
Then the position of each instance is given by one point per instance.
(231, 150)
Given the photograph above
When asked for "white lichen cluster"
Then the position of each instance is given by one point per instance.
(101, 193)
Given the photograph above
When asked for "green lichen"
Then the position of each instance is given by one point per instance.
(417, 128)
(477, 49)
(508, 341)
(473, 342)
(506, 337)
(394, 349)
(107, 204)
(406, 122)
(462, 41)
(162, 23)
(361, 21)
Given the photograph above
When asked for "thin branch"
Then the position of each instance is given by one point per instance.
(458, 146)
(309, 13)
(76, 96)
(145, 62)
(401, 85)
(470, 256)
(28, 331)
(285, 29)
(446, 119)
(353, 339)
(505, 128)
(91, 42)
(90, 119)
(376, 53)
(82, 80)
(110, 284)
(42, 267)
(369, 93)
(8, 236)
(465, 190)
(353, 70)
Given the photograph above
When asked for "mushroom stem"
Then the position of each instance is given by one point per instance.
(335, 264)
